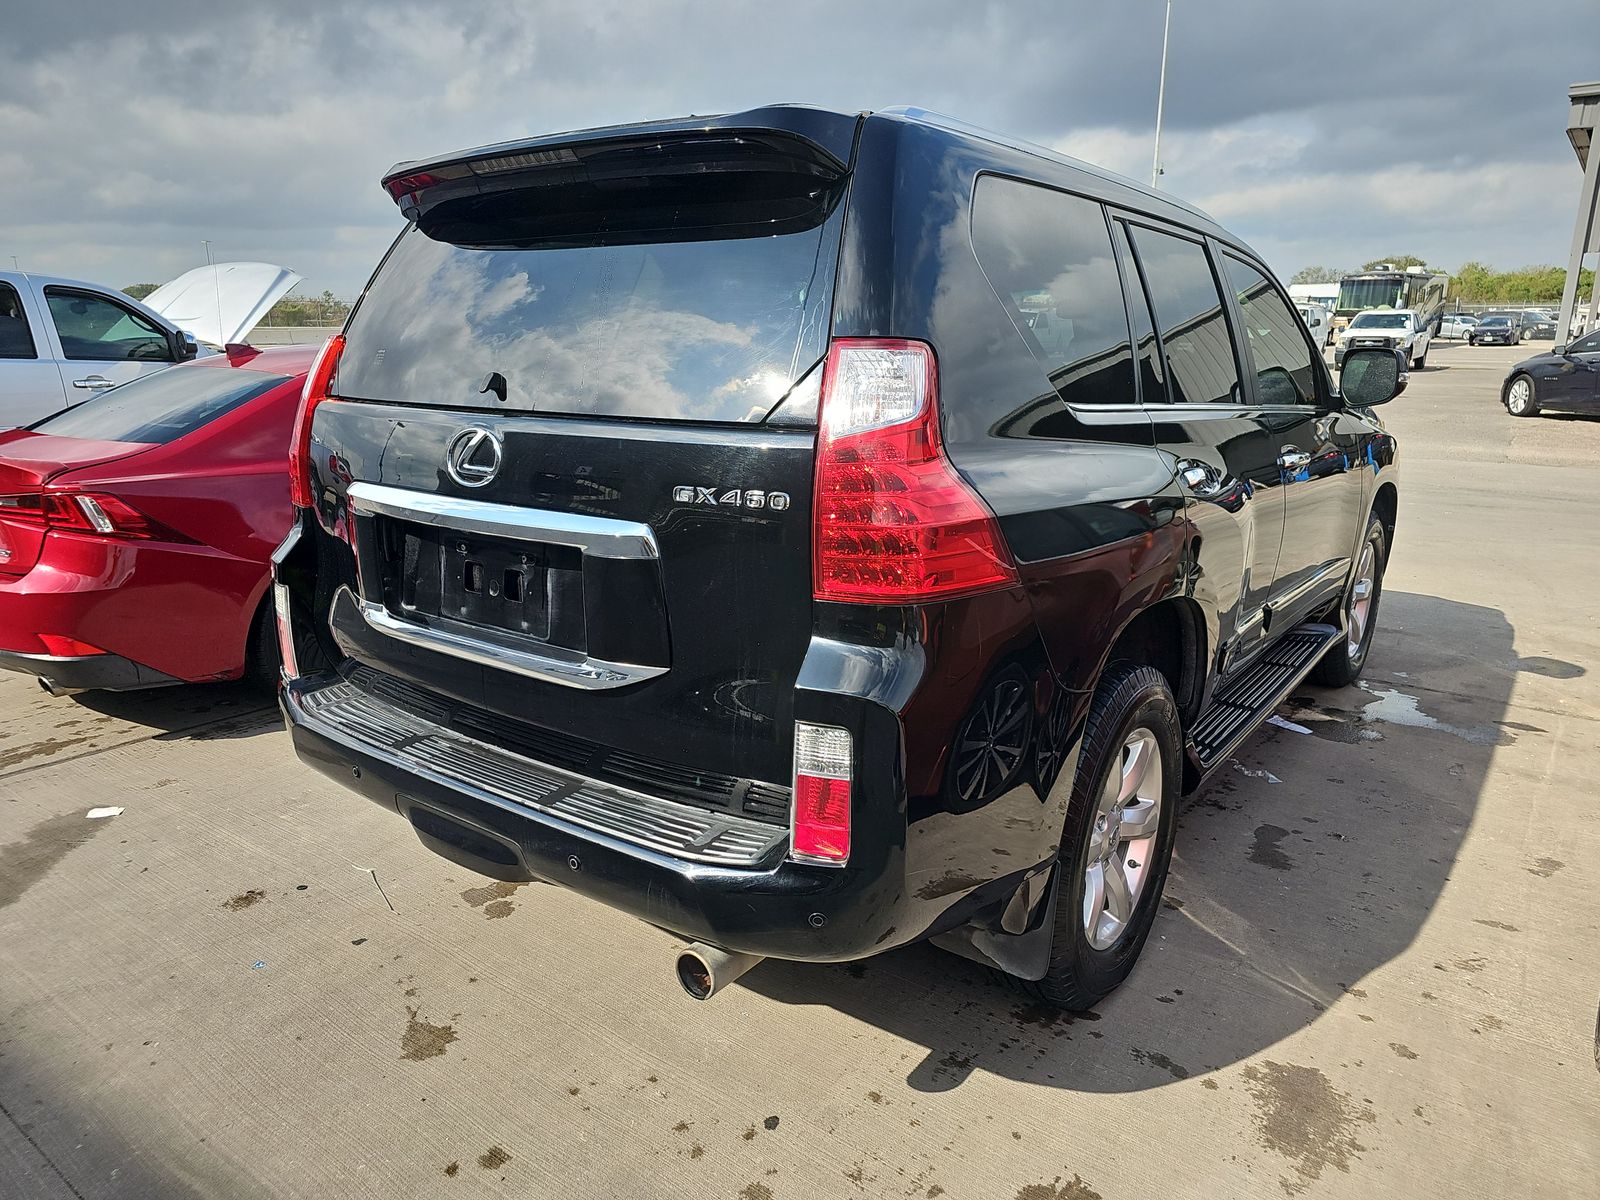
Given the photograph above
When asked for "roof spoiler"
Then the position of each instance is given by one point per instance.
(805, 140)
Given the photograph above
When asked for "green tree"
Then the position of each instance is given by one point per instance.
(139, 290)
(1399, 262)
(1317, 275)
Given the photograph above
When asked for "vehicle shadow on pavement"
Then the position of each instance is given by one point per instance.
(201, 710)
(1306, 863)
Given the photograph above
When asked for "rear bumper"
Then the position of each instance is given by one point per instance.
(173, 613)
(772, 907)
(110, 672)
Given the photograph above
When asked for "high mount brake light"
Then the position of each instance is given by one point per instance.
(894, 523)
(313, 394)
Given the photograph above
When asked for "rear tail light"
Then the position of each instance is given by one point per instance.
(59, 646)
(894, 523)
(87, 512)
(313, 394)
(824, 763)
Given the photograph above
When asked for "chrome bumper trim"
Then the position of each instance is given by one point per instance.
(576, 671)
(601, 537)
(365, 723)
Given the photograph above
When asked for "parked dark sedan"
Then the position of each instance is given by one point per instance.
(1538, 324)
(1495, 331)
(1568, 379)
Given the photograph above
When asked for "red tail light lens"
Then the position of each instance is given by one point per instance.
(824, 764)
(313, 394)
(88, 512)
(894, 523)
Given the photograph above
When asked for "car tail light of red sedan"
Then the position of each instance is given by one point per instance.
(87, 512)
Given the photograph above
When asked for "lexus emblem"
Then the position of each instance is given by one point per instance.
(473, 457)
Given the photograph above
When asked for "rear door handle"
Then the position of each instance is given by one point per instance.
(94, 383)
(1294, 460)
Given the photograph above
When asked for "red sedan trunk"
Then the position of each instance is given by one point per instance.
(136, 528)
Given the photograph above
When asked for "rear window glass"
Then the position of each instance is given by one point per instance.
(694, 306)
(161, 407)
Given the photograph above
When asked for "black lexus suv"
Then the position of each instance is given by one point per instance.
(814, 532)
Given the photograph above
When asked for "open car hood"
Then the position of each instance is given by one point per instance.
(222, 303)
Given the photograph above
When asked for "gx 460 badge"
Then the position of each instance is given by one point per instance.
(731, 497)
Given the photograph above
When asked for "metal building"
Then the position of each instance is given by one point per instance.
(1582, 121)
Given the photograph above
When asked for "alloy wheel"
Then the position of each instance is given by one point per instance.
(1517, 398)
(1122, 839)
(1363, 590)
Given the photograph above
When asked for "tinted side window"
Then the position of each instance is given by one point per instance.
(16, 340)
(1048, 256)
(93, 328)
(1285, 373)
(1152, 376)
(1194, 330)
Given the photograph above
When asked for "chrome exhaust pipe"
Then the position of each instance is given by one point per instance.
(53, 688)
(705, 970)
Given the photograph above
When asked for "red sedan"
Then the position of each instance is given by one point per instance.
(136, 528)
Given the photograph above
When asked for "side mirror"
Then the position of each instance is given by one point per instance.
(1372, 377)
(186, 347)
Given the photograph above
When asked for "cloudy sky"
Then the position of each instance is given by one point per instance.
(1323, 133)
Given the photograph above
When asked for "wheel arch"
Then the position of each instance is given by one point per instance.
(1170, 636)
(1385, 506)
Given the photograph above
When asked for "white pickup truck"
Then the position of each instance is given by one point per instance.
(63, 340)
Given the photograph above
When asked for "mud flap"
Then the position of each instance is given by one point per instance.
(1021, 944)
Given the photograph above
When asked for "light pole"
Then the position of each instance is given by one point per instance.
(1161, 100)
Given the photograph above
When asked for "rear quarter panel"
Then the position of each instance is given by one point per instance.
(186, 609)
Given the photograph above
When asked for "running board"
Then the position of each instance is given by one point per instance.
(1243, 702)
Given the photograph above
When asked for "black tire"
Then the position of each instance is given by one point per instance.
(1420, 363)
(1128, 698)
(1519, 404)
(262, 662)
(1341, 666)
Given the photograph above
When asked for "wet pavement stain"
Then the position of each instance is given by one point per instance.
(1498, 925)
(244, 900)
(493, 1158)
(24, 754)
(1401, 708)
(1265, 852)
(770, 1124)
(452, 1168)
(24, 863)
(1302, 1116)
(422, 1040)
(494, 899)
(1155, 1058)
(1072, 1189)
(1403, 1050)
(755, 1191)
(1545, 867)
(1049, 1017)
